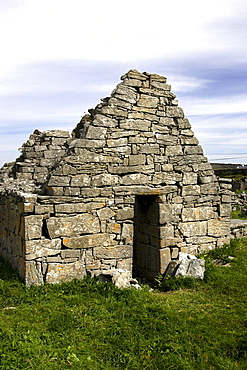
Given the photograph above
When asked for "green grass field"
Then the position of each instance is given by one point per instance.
(91, 325)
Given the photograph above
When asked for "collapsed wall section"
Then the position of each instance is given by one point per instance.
(130, 190)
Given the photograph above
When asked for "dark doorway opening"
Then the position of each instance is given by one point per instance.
(146, 237)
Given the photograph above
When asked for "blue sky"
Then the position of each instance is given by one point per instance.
(60, 57)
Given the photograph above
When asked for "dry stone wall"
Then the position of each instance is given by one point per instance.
(130, 189)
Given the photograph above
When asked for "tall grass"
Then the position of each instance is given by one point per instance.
(91, 325)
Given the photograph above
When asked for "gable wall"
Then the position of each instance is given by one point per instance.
(134, 144)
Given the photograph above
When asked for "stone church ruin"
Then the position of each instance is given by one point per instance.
(129, 189)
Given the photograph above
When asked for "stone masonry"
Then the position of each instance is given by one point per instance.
(129, 189)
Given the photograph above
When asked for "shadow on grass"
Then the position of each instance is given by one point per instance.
(6, 271)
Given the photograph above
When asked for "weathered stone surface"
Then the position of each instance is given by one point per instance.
(132, 176)
(89, 241)
(165, 259)
(68, 226)
(82, 180)
(190, 266)
(118, 251)
(104, 180)
(197, 214)
(33, 226)
(199, 228)
(126, 213)
(58, 272)
(42, 248)
(218, 227)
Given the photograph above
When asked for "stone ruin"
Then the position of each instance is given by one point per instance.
(129, 189)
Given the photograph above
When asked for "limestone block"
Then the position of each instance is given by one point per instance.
(189, 149)
(132, 82)
(118, 252)
(169, 212)
(200, 240)
(82, 180)
(120, 133)
(189, 141)
(161, 129)
(173, 111)
(96, 132)
(105, 213)
(148, 101)
(198, 213)
(56, 134)
(174, 252)
(118, 102)
(137, 159)
(56, 259)
(33, 275)
(41, 209)
(114, 111)
(102, 120)
(226, 198)
(190, 178)
(125, 264)
(104, 179)
(71, 208)
(191, 190)
(166, 178)
(160, 85)
(207, 179)
(125, 93)
(190, 266)
(124, 150)
(58, 272)
(88, 143)
(187, 132)
(114, 227)
(144, 110)
(218, 227)
(197, 228)
(135, 124)
(170, 242)
(135, 179)
(126, 213)
(122, 169)
(90, 241)
(150, 149)
(208, 189)
(166, 231)
(42, 248)
(59, 181)
(225, 210)
(166, 139)
(173, 150)
(133, 73)
(137, 140)
(70, 253)
(117, 142)
(33, 226)
(68, 226)
(165, 259)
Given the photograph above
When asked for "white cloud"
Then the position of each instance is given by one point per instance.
(103, 30)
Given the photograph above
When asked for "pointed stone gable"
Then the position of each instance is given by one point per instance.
(129, 189)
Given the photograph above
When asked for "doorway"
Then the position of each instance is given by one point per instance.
(146, 242)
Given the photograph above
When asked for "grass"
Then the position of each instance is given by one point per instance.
(237, 214)
(91, 325)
